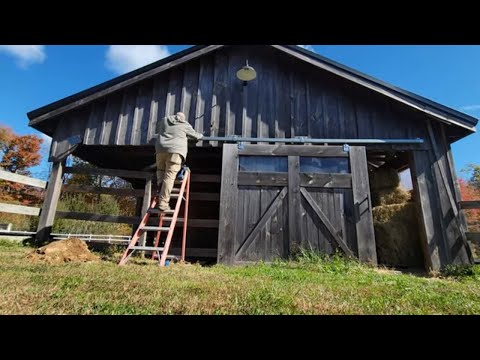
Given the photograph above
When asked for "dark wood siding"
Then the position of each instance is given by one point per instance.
(288, 98)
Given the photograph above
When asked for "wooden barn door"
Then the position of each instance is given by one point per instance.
(275, 198)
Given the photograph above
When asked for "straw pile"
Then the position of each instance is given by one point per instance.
(394, 221)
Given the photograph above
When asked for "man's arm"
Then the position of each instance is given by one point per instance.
(191, 133)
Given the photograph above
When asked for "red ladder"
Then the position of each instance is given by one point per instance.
(161, 253)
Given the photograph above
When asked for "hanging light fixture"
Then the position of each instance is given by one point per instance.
(246, 73)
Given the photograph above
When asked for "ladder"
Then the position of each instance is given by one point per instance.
(170, 217)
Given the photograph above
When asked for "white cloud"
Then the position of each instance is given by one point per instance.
(25, 54)
(307, 47)
(470, 108)
(124, 58)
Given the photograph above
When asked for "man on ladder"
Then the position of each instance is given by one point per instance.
(171, 147)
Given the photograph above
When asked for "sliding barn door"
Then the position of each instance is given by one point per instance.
(276, 199)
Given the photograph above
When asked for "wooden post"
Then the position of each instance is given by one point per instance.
(228, 205)
(367, 250)
(147, 198)
(49, 207)
(294, 203)
(430, 228)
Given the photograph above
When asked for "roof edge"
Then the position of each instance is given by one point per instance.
(106, 84)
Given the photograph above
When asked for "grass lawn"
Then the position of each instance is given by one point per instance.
(309, 285)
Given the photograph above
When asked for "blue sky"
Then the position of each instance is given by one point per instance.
(32, 76)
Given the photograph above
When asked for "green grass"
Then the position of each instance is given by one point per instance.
(310, 285)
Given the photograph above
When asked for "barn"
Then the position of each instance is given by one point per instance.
(289, 159)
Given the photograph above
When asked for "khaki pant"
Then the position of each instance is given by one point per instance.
(168, 166)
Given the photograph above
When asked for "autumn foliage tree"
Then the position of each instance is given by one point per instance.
(18, 153)
(471, 193)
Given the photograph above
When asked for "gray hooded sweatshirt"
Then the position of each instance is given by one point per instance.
(172, 135)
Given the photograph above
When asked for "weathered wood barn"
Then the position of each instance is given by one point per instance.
(313, 132)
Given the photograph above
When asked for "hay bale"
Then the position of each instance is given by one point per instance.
(390, 196)
(384, 178)
(70, 250)
(397, 235)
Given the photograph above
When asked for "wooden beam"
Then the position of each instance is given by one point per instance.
(469, 204)
(147, 198)
(110, 172)
(294, 203)
(363, 206)
(474, 237)
(118, 219)
(206, 178)
(22, 179)
(422, 185)
(228, 208)
(197, 196)
(327, 223)
(276, 203)
(341, 181)
(453, 202)
(87, 99)
(19, 209)
(101, 190)
(132, 220)
(49, 207)
(262, 179)
(293, 150)
(332, 181)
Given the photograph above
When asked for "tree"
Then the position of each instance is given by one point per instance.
(19, 152)
(6, 135)
(471, 193)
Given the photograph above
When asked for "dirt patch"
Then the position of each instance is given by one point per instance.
(62, 251)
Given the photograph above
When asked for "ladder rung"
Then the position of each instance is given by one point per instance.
(157, 211)
(154, 228)
(146, 248)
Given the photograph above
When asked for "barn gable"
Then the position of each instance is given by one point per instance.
(419, 103)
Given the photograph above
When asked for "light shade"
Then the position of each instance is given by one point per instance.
(246, 73)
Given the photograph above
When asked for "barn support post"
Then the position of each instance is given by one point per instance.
(367, 250)
(49, 207)
(228, 205)
(428, 223)
(145, 205)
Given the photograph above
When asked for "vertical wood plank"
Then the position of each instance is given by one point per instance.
(141, 115)
(252, 104)
(282, 103)
(121, 128)
(50, 202)
(94, 123)
(190, 91)
(228, 207)
(361, 198)
(292, 104)
(220, 97)
(110, 119)
(420, 170)
(294, 202)
(453, 177)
